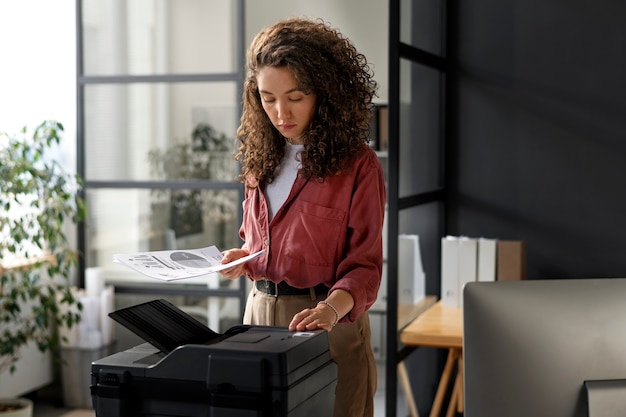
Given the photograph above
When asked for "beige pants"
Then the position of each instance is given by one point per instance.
(350, 348)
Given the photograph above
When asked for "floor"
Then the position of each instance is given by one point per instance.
(49, 410)
(46, 403)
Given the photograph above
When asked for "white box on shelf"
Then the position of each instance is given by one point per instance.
(411, 277)
(450, 271)
(487, 256)
(468, 262)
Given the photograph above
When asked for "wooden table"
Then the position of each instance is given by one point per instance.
(406, 315)
(441, 327)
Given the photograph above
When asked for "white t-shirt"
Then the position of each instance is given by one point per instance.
(277, 192)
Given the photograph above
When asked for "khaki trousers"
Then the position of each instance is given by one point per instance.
(350, 348)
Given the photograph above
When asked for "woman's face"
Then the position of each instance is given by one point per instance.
(290, 109)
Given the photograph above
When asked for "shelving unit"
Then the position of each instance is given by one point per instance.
(416, 157)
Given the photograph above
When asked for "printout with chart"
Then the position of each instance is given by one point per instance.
(170, 265)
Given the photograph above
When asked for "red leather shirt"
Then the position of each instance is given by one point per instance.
(326, 232)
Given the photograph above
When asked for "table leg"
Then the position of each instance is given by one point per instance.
(443, 383)
(460, 405)
(454, 398)
(408, 392)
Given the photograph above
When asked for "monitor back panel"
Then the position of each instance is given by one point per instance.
(529, 346)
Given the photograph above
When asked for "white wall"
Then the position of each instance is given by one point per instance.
(364, 22)
(38, 67)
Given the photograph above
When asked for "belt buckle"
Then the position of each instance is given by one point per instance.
(267, 287)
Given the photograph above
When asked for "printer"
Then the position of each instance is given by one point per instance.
(186, 369)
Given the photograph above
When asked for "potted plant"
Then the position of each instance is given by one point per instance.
(38, 199)
(16, 407)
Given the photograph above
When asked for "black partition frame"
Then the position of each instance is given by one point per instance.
(399, 50)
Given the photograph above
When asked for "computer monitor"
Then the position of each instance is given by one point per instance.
(530, 346)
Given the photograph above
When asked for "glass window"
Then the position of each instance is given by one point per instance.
(143, 37)
(421, 25)
(139, 220)
(160, 88)
(420, 125)
(164, 131)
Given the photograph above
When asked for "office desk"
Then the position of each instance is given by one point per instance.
(406, 315)
(441, 327)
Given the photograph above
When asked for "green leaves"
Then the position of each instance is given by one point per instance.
(39, 197)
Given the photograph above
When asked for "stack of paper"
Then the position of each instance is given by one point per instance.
(95, 329)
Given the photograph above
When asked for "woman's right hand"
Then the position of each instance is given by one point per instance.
(231, 255)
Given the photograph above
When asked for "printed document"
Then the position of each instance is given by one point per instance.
(170, 265)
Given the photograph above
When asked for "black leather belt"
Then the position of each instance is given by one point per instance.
(282, 288)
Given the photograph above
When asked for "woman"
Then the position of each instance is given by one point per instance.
(315, 196)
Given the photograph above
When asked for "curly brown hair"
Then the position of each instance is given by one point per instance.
(325, 63)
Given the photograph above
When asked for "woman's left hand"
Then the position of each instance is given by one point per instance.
(323, 316)
(320, 317)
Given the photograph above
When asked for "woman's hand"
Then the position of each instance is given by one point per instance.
(231, 255)
(323, 316)
(320, 317)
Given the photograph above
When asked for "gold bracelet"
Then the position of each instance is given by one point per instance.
(332, 307)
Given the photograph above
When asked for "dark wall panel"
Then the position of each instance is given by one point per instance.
(540, 132)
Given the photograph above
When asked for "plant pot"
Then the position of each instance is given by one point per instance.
(16, 407)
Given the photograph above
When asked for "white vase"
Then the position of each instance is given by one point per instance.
(24, 407)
